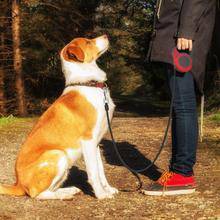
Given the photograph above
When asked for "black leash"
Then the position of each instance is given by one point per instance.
(136, 172)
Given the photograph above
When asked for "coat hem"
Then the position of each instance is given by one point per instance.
(198, 86)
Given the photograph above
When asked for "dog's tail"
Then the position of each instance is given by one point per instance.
(14, 190)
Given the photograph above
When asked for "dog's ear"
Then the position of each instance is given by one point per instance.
(75, 53)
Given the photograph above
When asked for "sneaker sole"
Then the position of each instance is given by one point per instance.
(168, 193)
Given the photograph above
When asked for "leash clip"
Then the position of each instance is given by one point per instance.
(106, 100)
(105, 91)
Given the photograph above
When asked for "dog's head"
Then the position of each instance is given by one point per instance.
(85, 50)
(78, 59)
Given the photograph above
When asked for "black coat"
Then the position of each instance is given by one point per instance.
(191, 19)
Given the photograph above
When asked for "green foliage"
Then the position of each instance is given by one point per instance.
(46, 27)
(128, 23)
(7, 120)
(215, 117)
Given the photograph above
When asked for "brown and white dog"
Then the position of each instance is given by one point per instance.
(73, 126)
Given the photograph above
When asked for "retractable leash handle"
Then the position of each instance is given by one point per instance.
(182, 61)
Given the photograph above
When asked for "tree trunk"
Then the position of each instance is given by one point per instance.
(19, 84)
(2, 97)
(2, 74)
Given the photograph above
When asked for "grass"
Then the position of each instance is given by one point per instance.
(8, 120)
(215, 117)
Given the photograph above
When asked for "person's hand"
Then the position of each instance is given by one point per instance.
(184, 44)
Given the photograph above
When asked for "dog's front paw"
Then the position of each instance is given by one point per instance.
(112, 190)
(105, 195)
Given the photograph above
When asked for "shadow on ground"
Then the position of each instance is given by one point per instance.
(131, 156)
(78, 178)
(129, 153)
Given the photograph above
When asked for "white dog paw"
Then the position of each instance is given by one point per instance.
(105, 195)
(112, 190)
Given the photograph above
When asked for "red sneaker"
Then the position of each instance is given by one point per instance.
(171, 183)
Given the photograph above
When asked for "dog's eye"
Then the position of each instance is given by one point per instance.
(72, 56)
(88, 42)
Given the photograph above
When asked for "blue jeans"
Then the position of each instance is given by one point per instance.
(184, 123)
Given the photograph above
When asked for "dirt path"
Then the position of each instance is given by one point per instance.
(138, 140)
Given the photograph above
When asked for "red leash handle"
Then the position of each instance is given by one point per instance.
(182, 61)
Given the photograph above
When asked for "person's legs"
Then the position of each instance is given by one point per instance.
(180, 179)
(184, 123)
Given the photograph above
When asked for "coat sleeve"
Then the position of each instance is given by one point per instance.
(191, 12)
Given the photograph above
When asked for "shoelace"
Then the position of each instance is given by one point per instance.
(165, 177)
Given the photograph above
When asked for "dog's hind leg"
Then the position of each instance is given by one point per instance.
(44, 177)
